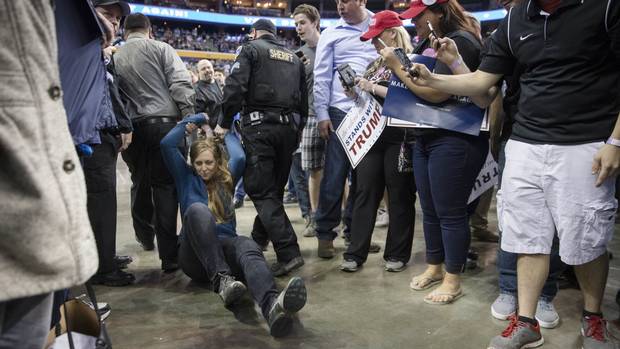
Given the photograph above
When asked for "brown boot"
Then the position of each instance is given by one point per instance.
(326, 249)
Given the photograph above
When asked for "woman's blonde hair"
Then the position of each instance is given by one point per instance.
(221, 182)
(402, 40)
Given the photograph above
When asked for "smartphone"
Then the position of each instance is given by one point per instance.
(402, 57)
(430, 27)
(347, 75)
(382, 42)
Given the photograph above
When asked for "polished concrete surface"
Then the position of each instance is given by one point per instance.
(368, 309)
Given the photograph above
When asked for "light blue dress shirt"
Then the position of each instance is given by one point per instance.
(339, 44)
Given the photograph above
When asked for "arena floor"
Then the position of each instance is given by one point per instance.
(368, 309)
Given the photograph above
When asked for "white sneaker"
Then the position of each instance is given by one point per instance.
(546, 314)
(383, 218)
(504, 307)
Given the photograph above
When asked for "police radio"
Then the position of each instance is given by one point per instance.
(347, 75)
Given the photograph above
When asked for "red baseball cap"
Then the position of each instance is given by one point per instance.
(380, 22)
(418, 6)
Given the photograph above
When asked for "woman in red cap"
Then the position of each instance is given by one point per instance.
(445, 162)
(380, 166)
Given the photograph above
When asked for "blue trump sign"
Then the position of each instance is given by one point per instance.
(456, 114)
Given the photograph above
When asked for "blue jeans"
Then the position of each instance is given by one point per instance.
(336, 170)
(446, 165)
(300, 181)
(239, 191)
(507, 261)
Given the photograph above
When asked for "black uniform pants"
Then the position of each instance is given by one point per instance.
(378, 169)
(204, 257)
(100, 175)
(154, 202)
(269, 152)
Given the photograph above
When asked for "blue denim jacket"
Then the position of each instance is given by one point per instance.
(190, 186)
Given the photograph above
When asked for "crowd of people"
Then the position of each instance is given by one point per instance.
(194, 145)
(203, 40)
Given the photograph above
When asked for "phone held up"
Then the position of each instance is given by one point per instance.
(347, 75)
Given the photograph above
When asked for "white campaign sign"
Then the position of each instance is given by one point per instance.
(361, 128)
(486, 179)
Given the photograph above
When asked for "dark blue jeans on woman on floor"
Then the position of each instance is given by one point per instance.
(446, 165)
(204, 257)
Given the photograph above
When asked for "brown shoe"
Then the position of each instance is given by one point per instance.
(484, 235)
(326, 249)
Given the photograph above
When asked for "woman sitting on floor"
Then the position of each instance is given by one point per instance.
(209, 247)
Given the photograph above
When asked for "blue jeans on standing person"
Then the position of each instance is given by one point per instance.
(239, 191)
(446, 165)
(507, 261)
(336, 170)
(300, 181)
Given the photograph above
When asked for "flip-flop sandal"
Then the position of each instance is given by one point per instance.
(452, 297)
(421, 283)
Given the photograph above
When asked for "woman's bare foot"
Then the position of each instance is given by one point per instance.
(431, 276)
(447, 292)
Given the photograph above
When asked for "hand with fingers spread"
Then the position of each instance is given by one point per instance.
(325, 128)
(606, 163)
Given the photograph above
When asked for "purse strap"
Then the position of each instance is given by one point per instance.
(93, 299)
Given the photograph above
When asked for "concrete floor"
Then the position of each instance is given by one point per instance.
(368, 309)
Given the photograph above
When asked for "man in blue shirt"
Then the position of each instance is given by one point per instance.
(338, 45)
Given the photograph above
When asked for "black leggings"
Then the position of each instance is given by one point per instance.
(204, 257)
(378, 169)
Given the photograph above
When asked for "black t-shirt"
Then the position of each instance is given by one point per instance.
(571, 82)
(469, 48)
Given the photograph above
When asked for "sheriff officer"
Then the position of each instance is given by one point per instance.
(267, 86)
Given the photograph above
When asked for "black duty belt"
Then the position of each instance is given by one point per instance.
(154, 120)
(259, 117)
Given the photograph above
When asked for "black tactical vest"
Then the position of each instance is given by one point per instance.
(275, 80)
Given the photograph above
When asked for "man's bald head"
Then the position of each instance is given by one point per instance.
(205, 70)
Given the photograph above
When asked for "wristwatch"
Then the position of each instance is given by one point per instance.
(613, 141)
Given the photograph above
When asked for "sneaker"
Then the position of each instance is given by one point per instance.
(394, 266)
(504, 307)
(349, 265)
(289, 199)
(595, 334)
(122, 261)
(169, 266)
(104, 308)
(546, 314)
(237, 202)
(518, 335)
(374, 248)
(288, 302)
(383, 219)
(230, 290)
(326, 249)
(309, 231)
(114, 278)
(280, 269)
(484, 235)
(472, 260)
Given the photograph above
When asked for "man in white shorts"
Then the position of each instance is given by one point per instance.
(564, 152)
